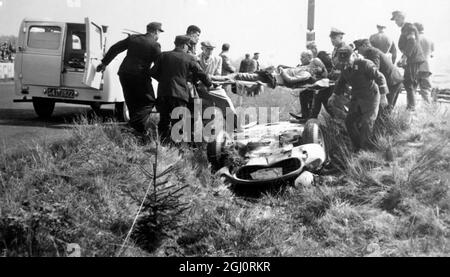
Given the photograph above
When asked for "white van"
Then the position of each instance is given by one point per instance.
(56, 62)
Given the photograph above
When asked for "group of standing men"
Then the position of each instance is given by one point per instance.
(182, 75)
(368, 67)
(249, 65)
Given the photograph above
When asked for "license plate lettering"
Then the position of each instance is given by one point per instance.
(63, 93)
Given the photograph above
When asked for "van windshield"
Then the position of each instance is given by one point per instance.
(44, 37)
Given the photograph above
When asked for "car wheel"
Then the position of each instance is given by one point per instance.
(96, 107)
(215, 150)
(121, 112)
(312, 133)
(43, 107)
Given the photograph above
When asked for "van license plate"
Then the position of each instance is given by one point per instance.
(64, 93)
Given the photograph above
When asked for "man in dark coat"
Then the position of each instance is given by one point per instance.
(412, 59)
(392, 74)
(134, 72)
(369, 90)
(246, 65)
(173, 70)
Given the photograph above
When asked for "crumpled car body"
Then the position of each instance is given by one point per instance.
(269, 153)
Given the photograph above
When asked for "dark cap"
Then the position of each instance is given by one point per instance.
(344, 52)
(208, 44)
(155, 26)
(361, 42)
(226, 47)
(256, 53)
(395, 14)
(193, 29)
(180, 40)
(334, 32)
(381, 26)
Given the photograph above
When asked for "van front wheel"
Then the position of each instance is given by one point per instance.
(43, 107)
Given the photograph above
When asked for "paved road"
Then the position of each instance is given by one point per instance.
(20, 127)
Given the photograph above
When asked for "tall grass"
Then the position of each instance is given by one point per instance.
(88, 188)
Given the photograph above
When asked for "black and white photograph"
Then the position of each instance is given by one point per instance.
(236, 129)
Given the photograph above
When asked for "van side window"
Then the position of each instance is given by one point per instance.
(44, 37)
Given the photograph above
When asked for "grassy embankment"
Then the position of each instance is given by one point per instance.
(394, 201)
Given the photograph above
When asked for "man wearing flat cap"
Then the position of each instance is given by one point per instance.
(210, 63)
(392, 74)
(337, 104)
(174, 70)
(412, 58)
(134, 72)
(384, 43)
(368, 89)
(337, 40)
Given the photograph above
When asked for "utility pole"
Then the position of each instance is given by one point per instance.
(310, 34)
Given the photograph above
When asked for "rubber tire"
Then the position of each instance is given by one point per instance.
(96, 107)
(215, 150)
(43, 107)
(312, 133)
(121, 112)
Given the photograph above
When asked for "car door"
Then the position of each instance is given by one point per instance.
(94, 54)
(41, 53)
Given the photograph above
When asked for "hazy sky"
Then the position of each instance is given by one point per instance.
(276, 28)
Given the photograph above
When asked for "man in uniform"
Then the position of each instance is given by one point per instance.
(384, 43)
(363, 76)
(392, 74)
(246, 64)
(134, 72)
(173, 70)
(337, 103)
(337, 40)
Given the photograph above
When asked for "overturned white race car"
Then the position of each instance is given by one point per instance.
(268, 154)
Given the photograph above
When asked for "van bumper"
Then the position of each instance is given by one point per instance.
(83, 96)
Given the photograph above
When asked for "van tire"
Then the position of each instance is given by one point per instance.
(96, 107)
(121, 112)
(43, 107)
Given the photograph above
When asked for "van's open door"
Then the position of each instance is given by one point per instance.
(94, 54)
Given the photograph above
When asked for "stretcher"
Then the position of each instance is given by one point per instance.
(253, 88)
